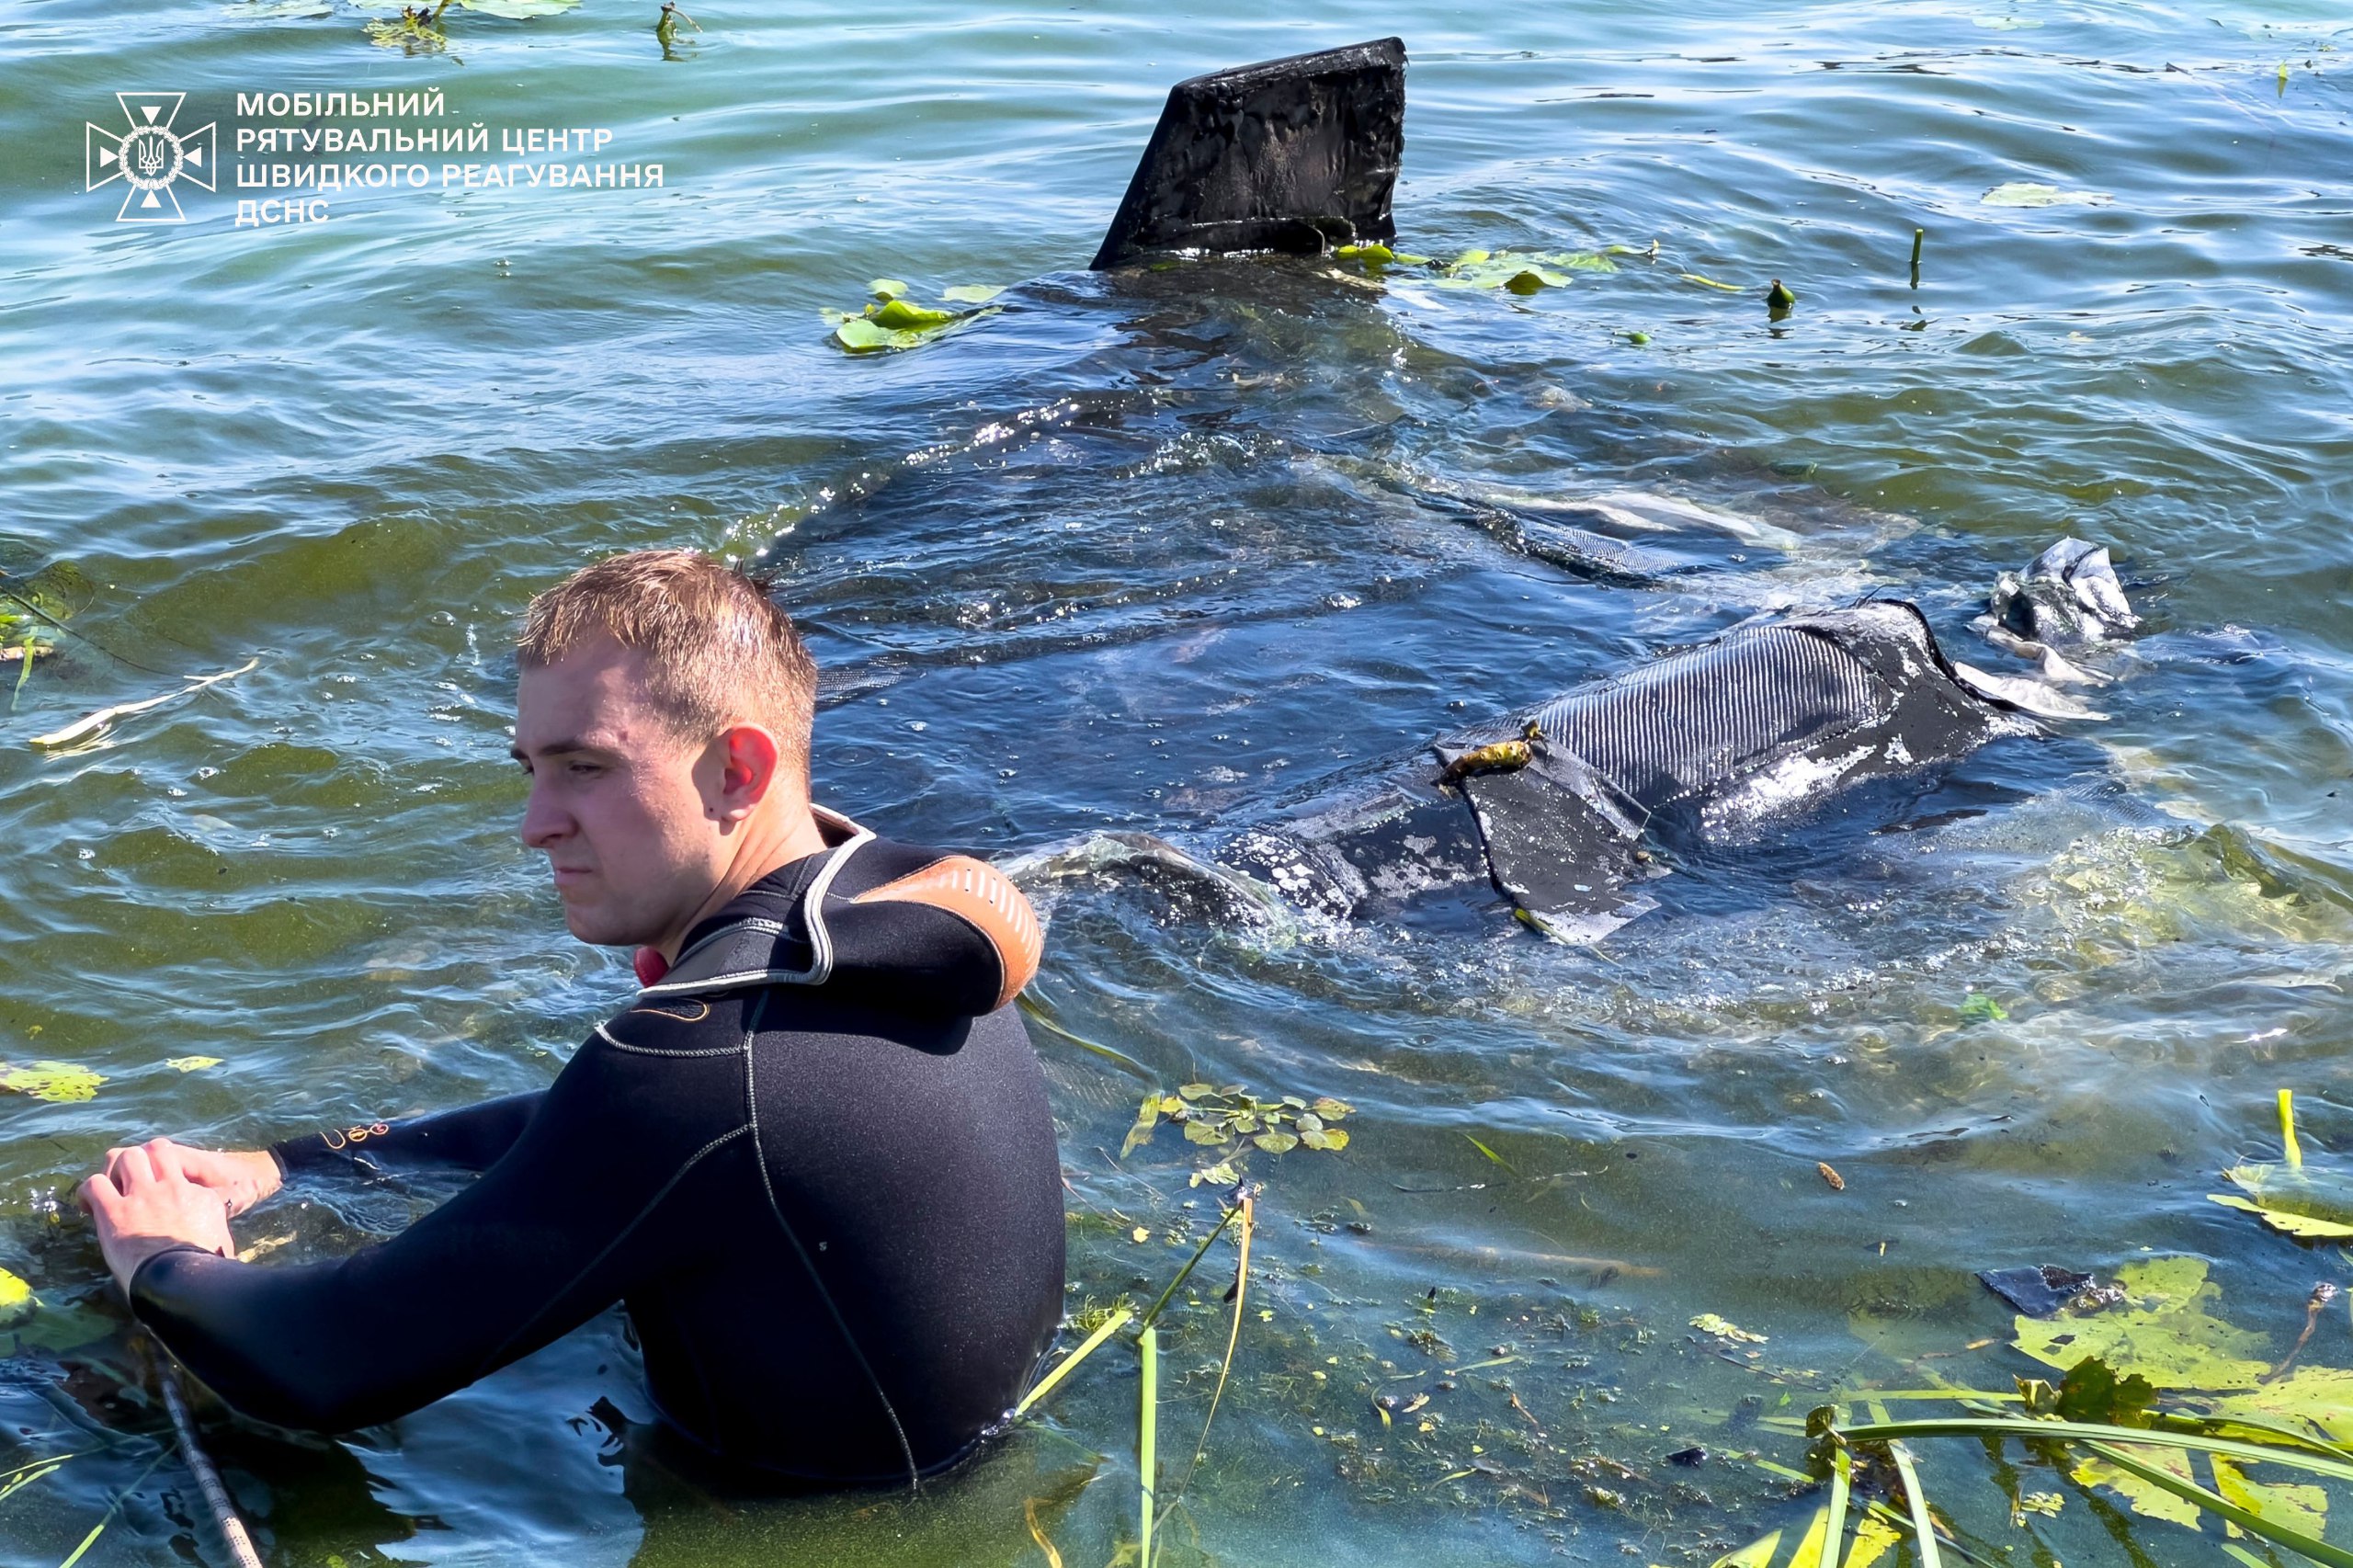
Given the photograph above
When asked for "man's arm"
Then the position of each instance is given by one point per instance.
(550, 1236)
(472, 1139)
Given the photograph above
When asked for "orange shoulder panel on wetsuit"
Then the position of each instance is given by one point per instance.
(983, 896)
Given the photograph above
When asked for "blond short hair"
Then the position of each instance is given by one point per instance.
(717, 648)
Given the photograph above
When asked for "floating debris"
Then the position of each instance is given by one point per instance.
(2038, 1290)
(1837, 1183)
(2025, 193)
(1721, 1328)
(97, 723)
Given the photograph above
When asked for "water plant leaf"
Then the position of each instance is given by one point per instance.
(61, 1082)
(886, 288)
(2294, 1505)
(1979, 1008)
(1583, 261)
(1086, 1347)
(900, 316)
(2025, 193)
(16, 1301)
(1147, 1117)
(1520, 272)
(1489, 1154)
(2092, 1392)
(1214, 1117)
(192, 1063)
(1758, 1553)
(971, 293)
(2296, 1202)
(2245, 1518)
(2142, 1497)
(2166, 1333)
(860, 336)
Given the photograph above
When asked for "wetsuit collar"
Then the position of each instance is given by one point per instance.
(753, 940)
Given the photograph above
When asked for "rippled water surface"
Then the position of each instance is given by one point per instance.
(1167, 551)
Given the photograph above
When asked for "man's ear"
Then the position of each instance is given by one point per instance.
(748, 770)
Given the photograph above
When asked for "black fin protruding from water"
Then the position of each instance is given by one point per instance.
(1295, 154)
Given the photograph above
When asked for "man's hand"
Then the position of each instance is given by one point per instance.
(242, 1178)
(141, 1207)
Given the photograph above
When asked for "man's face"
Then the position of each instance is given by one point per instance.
(623, 808)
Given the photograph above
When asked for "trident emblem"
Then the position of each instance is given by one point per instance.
(149, 157)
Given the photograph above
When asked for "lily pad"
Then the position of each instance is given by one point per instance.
(2164, 1333)
(1522, 272)
(860, 336)
(192, 1063)
(887, 288)
(900, 316)
(971, 293)
(58, 1080)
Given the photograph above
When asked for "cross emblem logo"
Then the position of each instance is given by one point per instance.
(149, 157)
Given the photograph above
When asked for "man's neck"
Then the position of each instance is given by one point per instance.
(767, 847)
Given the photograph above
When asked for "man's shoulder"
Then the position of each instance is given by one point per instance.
(695, 1027)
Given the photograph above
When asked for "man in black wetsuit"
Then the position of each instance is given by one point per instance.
(812, 1155)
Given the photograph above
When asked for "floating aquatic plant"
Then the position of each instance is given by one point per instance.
(2309, 1205)
(2148, 1392)
(1215, 1116)
(892, 321)
(58, 1080)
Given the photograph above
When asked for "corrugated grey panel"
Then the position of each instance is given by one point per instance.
(1692, 720)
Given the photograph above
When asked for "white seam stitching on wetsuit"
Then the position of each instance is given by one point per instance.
(760, 1159)
(655, 1051)
(651, 1204)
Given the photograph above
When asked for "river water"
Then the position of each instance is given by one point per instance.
(1162, 552)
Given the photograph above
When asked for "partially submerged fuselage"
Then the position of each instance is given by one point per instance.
(1753, 726)
(1560, 810)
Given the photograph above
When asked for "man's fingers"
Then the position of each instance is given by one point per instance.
(100, 1196)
